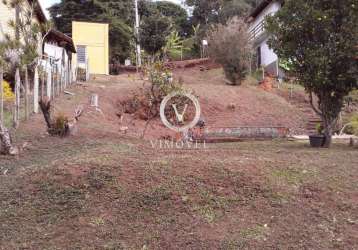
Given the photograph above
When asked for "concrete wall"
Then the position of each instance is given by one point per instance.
(95, 37)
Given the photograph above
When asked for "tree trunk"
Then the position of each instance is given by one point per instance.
(45, 105)
(328, 132)
(16, 117)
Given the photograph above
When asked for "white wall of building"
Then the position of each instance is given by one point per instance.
(268, 56)
(270, 9)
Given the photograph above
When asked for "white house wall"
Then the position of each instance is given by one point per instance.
(268, 56)
(270, 9)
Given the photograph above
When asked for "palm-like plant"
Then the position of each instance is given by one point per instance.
(173, 46)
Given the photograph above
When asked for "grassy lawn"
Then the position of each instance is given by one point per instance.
(120, 193)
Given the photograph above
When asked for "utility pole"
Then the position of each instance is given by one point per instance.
(138, 50)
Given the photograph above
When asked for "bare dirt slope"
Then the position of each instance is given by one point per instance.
(222, 105)
(253, 106)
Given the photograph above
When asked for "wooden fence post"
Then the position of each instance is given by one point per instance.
(26, 93)
(1, 95)
(55, 82)
(60, 78)
(16, 115)
(53, 93)
(49, 84)
(36, 90)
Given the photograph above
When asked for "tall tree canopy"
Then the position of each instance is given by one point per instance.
(153, 33)
(176, 14)
(206, 12)
(319, 38)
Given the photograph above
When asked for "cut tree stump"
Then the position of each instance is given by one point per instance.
(6, 146)
(69, 127)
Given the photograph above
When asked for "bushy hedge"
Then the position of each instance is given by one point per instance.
(229, 45)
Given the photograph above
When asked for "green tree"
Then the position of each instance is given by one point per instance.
(229, 45)
(21, 45)
(206, 12)
(154, 30)
(318, 38)
(175, 13)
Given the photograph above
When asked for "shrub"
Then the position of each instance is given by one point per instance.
(146, 103)
(229, 45)
(352, 127)
(7, 92)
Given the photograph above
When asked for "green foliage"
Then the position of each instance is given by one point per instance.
(23, 47)
(233, 8)
(286, 65)
(319, 39)
(7, 91)
(229, 45)
(162, 82)
(319, 128)
(177, 15)
(60, 126)
(174, 46)
(210, 12)
(352, 127)
(154, 30)
(207, 12)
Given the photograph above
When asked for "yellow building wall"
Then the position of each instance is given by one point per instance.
(95, 37)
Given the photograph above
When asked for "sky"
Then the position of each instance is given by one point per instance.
(47, 3)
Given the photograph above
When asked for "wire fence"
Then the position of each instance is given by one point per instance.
(29, 87)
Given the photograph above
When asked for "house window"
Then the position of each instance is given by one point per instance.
(259, 59)
(81, 54)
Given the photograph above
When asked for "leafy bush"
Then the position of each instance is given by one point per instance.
(352, 127)
(59, 126)
(7, 92)
(146, 103)
(173, 47)
(229, 45)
